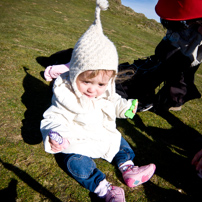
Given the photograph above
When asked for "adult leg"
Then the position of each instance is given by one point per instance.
(192, 91)
(173, 94)
(182, 88)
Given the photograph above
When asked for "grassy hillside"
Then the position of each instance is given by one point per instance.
(33, 29)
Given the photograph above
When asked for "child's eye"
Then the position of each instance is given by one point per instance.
(101, 84)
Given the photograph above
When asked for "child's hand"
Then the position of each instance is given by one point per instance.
(130, 113)
(197, 160)
(52, 72)
(55, 146)
(57, 142)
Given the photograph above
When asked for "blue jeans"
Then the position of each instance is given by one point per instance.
(83, 169)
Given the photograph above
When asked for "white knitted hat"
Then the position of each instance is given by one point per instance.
(93, 50)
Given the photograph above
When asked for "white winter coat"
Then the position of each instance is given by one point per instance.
(89, 125)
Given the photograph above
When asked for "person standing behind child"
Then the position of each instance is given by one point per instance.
(80, 123)
(183, 44)
(175, 62)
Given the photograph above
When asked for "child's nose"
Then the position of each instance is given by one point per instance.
(91, 89)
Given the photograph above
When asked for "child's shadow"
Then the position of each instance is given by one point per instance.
(36, 98)
(60, 57)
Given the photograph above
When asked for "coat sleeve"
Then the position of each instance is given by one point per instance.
(54, 120)
(121, 105)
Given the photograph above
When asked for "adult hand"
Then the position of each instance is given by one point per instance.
(197, 160)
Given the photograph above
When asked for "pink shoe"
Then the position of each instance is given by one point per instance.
(135, 175)
(115, 194)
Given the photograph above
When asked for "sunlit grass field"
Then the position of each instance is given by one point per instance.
(33, 29)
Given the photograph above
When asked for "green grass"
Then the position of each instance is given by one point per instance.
(31, 29)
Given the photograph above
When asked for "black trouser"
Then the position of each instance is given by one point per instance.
(168, 65)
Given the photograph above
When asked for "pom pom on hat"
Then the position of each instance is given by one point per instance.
(93, 51)
(103, 4)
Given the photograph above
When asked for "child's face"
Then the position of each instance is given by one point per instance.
(93, 87)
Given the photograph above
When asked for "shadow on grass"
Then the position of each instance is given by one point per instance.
(9, 194)
(36, 98)
(171, 150)
(10, 191)
(60, 57)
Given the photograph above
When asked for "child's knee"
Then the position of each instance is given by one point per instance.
(80, 166)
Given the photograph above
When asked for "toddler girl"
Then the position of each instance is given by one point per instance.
(81, 122)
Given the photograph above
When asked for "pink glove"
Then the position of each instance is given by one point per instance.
(52, 72)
